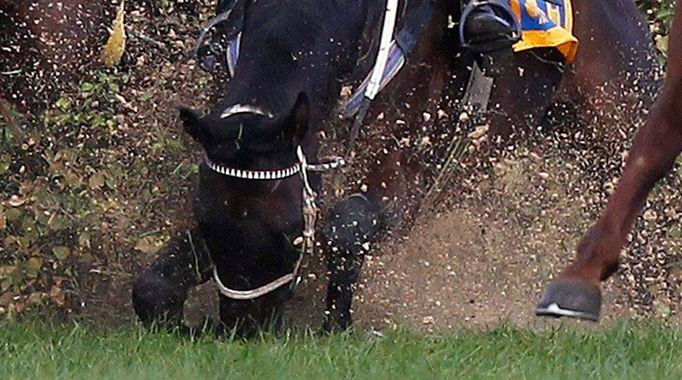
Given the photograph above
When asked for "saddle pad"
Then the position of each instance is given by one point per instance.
(546, 23)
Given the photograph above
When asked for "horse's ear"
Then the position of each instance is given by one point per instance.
(300, 120)
(191, 121)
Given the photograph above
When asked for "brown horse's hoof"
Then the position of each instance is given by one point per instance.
(572, 299)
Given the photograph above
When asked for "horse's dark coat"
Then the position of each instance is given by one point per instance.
(249, 226)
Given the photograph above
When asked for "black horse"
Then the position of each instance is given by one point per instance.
(254, 205)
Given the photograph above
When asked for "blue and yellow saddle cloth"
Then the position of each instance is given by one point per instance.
(546, 23)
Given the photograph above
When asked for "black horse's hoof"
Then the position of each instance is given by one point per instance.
(572, 299)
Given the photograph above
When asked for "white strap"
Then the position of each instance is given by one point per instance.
(253, 293)
(384, 48)
(292, 170)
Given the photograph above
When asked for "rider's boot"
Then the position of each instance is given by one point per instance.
(488, 25)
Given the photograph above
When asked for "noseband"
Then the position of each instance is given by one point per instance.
(309, 209)
(277, 173)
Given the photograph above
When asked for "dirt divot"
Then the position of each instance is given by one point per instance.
(462, 270)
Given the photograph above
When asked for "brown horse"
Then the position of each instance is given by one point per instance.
(576, 291)
(281, 98)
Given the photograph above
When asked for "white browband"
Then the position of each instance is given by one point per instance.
(273, 174)
(254, 174)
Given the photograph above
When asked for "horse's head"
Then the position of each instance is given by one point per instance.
(248, 203)
(244, 136)
(251, 192)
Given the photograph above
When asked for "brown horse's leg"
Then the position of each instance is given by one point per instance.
(575, 292)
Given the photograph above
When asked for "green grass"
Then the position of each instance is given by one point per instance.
(641, 350)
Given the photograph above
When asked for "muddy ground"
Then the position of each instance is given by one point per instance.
(94, 186)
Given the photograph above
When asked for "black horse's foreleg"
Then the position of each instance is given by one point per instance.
(159, 293)
(350, 227)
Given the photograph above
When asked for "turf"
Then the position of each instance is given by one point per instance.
(641, 350)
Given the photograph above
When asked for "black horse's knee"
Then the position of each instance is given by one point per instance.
(159, 293)
(158, 300)
(350, 228)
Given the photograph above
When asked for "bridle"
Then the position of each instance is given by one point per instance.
(309, 209)
(390, 59)
(276, 174)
